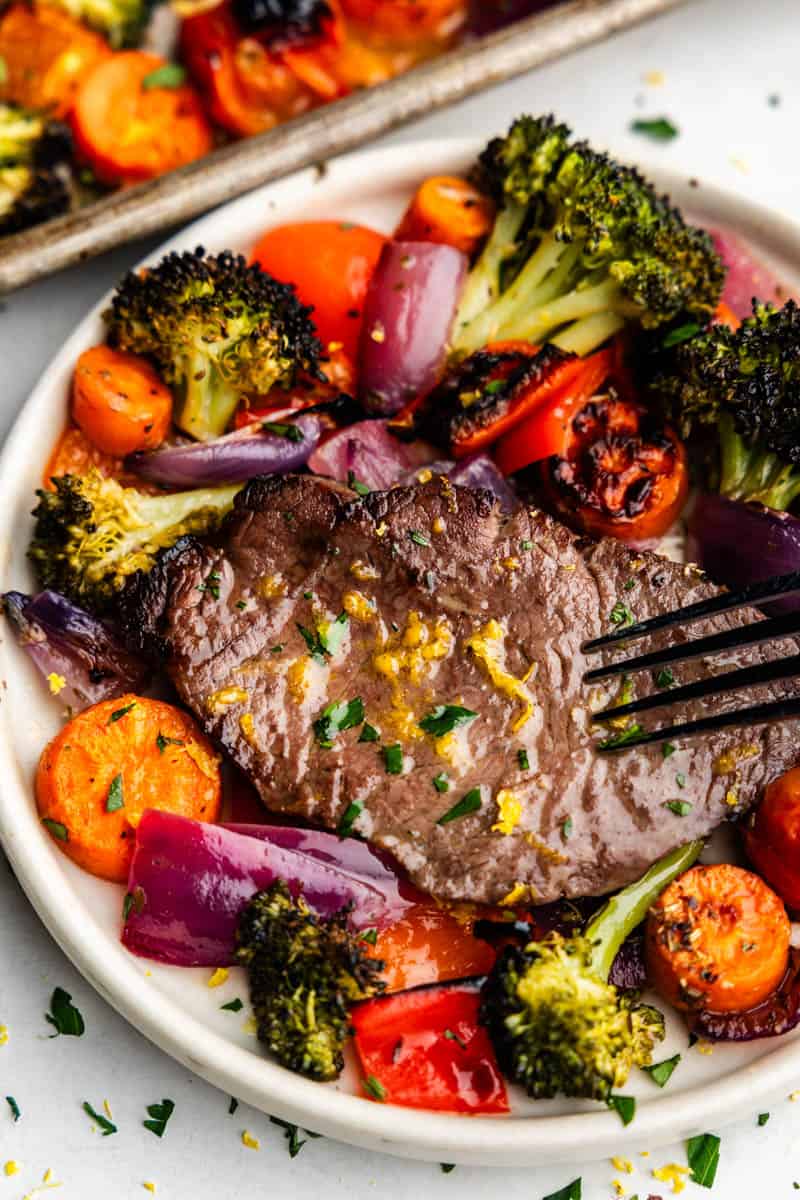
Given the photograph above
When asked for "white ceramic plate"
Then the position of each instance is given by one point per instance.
(174, 1007)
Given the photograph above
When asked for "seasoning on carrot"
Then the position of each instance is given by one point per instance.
(772, 837)
(110, 763)
(131, 124)
(47, 54)
(447, 210)
(717, 939)
(119, 401)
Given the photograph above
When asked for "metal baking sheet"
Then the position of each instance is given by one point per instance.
(317, 136)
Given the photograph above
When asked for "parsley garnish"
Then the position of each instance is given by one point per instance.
(349, 818)
(234, 1005)
(232, 1106)
(335, 718)
(681, 333)
(681, 808)
(162, 742)
(526, 544)
(629, 585)
(447, 1168)
(393, 759)
(494, 386)
(103, 1123)
(659, 129)
(114, 799)
(763, 1118)
(159, 1116)
(453, 1037)
(308, 595)
(523, 760)
(441, 782)
(292, 433)
(370, 936)
(276, 649)
(118, 713)
(64, 1016)
(445, 718)
(572, 1191)
(57, 829)
(241, 604)
(171, 75)
(680, 779)
(356, 485)
(12, 1104)
(466, 805)
(328, 638)
(291, 1133)
(211, 584)
(621, 615)
(667, 750)
(702, 1154)
(566, 828)
(375, 1088)
(419, 538)
(660, 1072)
(624, 1106)
(369, 733)
(625, 737)
(664, 678)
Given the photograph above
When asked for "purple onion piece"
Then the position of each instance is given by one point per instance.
(480, 471)
(370, 453)
(189, 882)
(747, 277)
(408, 314)
(776, 1015)
(628, 970)
(64, 640)
(739, 543)
(234, 457)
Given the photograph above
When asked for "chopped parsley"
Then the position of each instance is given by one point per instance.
(171, 76)
(292, 433)
(349, 818)
(211, 584)
(453, 1037)
(566, 828)
(159, 1115)
(370, 936)
(64, 1016)
(418, 538)
(162, 742)
(308, 595)
(668, 749)
(573, 1191)
(12, 1104)
(658, 129)
(447, 1168)
(702, 1154)
(621, 615)
(292, 1135)
(665, 678)
(469, 803)
(115, 800)
(681, 333)
(629, 585)
(523, 760)
(626, 737)
(393, 759)
(356, 485)
(623, 1106)
(335, 718)
(235, 1005)
(526, 544)
(241, 604)
(327, 639)
(58, 830)
(369, 733)
(762, 1118)
(119, 713)
(681, 808)
(445, 718)
(375, 1088)
(680, 779)
(441, 782)
(232, 1106)
(277, 648)
(107, 1127)
(660, 1073)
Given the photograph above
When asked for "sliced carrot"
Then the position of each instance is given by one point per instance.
(46, 54)
(717, 939)
(128, 131)
(74, 454)
(447, 210)
(110, 763)
(119, 401)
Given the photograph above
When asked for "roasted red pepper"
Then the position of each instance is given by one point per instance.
(431, 944)
(622, 475)
(772, 837)
(425, 1049)
(339, 372)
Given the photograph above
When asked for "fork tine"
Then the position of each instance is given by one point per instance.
(730, 639)
(729, 681)
(753, 594)
(758, 714)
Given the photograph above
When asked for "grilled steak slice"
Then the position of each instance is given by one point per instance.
(447, 602)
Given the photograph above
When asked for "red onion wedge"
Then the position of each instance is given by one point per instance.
(369, 454)
(747, 277)
(408, 314)
(189, 881)
(477, 472)
(739, 543)
(776, 1015)
(273, 448)
(68, 643)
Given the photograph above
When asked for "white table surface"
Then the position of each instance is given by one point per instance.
(721, 62)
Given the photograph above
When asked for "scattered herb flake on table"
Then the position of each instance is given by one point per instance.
(159, 1115)
(658, 129)
(235, 1005)
(64, 1016)
(702, 1154)
(660, 1073)
(624, 1106)
(292, 1135)
(15, 1110)
(573, 1191)
(107, 1127)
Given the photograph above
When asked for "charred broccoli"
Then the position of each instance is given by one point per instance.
(305, 974)
(746, 384)
(35, 154)
(558, 1026)
(91, 533)
(580, 246)
(216, 328)
(122, 22)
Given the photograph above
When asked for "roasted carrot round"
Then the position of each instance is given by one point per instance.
(717, 939)
(109, 764)
(74, 454)
(129, 127)
(119, 401)
(447, 210)
(46, 54)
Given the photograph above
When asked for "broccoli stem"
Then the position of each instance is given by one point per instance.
(620, 915)
(208, 399)
(748, 472)
(480, 290)
(584, 336)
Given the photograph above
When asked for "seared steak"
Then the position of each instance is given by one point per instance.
(449, 602)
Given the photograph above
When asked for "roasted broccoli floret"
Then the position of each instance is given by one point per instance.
(558, 1026)
(122, 22)
(305, 974)
(216, 328)
(91, 533)
(580, 246)
(35, 156)
(746, 384)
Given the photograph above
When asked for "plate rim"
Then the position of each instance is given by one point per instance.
(113, 972)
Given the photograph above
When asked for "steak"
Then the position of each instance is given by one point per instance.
(429, 596)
